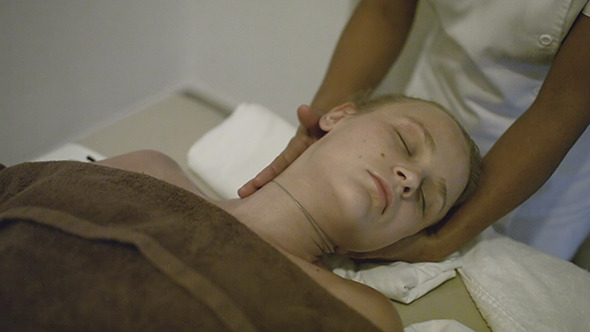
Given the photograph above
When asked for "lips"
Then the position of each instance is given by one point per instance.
(384, 191)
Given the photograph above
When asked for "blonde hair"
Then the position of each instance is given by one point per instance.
(365, 103)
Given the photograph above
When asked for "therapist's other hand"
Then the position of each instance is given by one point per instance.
(308, 132)
(420, 247)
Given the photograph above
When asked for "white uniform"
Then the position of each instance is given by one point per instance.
(485, 60)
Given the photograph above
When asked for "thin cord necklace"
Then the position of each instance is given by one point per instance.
(326, 248)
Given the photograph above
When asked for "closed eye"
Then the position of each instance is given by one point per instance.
(423, 199)
(404, 143)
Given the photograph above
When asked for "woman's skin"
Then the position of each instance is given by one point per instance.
(377, 178)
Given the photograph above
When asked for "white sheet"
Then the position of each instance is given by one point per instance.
(71, 151)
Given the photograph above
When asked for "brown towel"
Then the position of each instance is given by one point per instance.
(86, 247)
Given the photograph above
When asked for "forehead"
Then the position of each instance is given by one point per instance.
(416, 108)
(437, 121)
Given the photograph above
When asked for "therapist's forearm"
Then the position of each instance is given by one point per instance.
(368, 46)
(514, 169)
(528, 153)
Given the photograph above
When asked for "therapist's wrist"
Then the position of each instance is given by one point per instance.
(323, 101)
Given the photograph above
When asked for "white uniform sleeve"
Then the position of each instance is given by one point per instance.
(586, 10)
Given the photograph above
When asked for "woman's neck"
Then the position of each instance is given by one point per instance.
(276, 216)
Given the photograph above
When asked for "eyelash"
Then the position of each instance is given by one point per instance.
(423, 205)
(405, 144)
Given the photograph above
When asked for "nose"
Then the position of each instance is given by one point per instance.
(409, 180)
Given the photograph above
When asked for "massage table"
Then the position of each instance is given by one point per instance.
(175, 123)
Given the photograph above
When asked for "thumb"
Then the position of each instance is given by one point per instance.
(310, 120)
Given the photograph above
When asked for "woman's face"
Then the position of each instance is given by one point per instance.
(391, 172)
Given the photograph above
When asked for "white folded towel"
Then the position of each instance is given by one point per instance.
(240, 147)
(518, 288)
(399, 281)
(438, 325)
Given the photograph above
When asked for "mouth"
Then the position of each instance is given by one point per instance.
(383, 190)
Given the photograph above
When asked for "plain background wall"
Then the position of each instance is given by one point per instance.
(68, 66)
(271, 52)
(277, 52)
(71, 66)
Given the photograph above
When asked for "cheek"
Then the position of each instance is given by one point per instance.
(354, 201)
(407, 220)
(375, 139)
(351, 214)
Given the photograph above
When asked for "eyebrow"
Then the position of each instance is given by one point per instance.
(428, 139)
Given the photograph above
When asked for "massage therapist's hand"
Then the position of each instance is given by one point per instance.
(420, 247)
(308, 132)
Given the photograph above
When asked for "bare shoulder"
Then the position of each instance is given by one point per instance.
(155, 164)
(365, 300)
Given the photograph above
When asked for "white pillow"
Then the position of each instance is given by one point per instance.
(241, 146)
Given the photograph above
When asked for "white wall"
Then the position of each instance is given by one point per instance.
(266, 51)
(276, 52)
(67, 66)
(70, 66)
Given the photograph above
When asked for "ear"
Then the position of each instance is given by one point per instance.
(330, 119)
